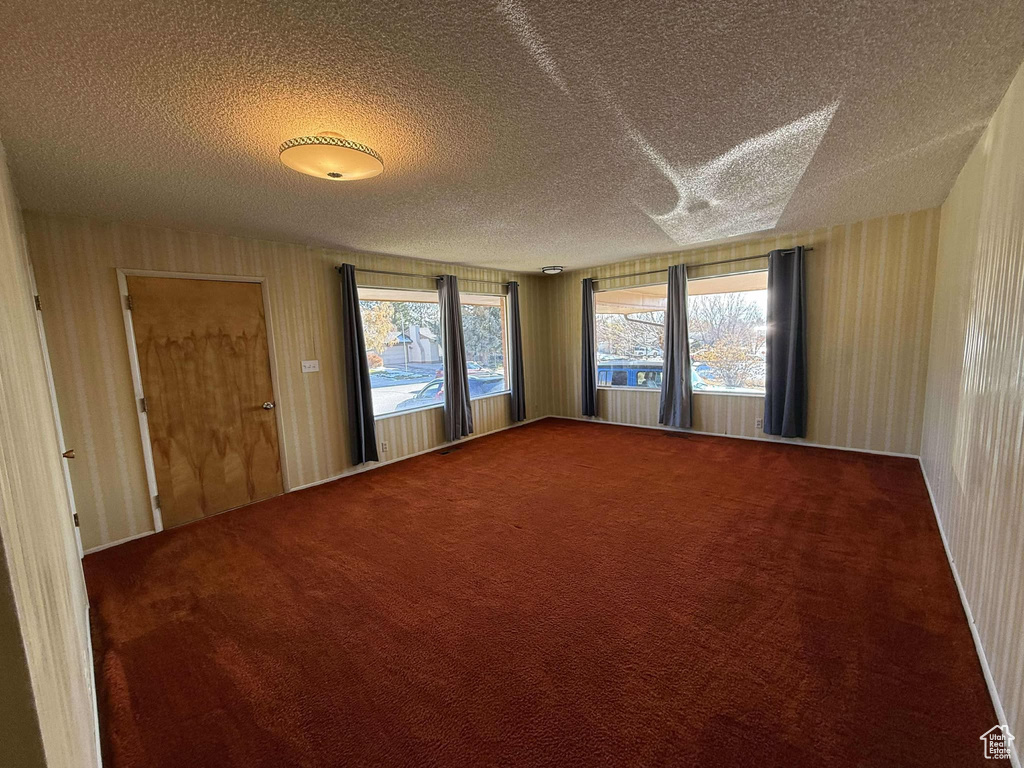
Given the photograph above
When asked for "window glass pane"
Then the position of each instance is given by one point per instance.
(630, 336)
(483, 327)
(403, 345)
(726, 317)
(727, 332)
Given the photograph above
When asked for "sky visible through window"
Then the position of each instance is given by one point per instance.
(727, 322)
(404, 347)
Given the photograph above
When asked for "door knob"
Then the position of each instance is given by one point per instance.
(269, 406)
(69, 453)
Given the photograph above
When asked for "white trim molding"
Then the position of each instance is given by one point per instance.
(348, 473)
(133, 361)
(404, 411)
(804, 443)
(986, 670)
(441, 446)
(119, 542)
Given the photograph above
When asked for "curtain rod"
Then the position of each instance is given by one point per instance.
(420, 274)
(705, 264)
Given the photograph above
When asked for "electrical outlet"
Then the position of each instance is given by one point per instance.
(310, 366)
(383, 446)
(759, 424)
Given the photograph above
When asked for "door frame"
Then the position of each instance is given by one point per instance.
(133, 360)
(61, 443)
(82, 597)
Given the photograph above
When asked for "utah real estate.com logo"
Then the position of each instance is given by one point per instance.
(997, 742)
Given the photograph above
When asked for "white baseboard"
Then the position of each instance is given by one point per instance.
(368, 467)
(125, 540)
(663, 428)
(983, 659)
(375, 465)
(348, 473)
(985, 669)
(92, 684)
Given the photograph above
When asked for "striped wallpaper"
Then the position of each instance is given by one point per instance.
(46, 693)
(869, 312)
(973, 445)
(898, 308)
(867, 363)
(421, 430)
(75, 261)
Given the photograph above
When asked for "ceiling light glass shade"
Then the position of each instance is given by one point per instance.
(550, 270)
(331, 156)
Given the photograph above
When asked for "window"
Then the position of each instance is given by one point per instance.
(484, 331)
(630, 336)
(404, 347)
(403, 344)
(726, 317)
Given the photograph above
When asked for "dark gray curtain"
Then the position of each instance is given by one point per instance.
(676, 408)
(458, 412)
(785, 396)
(515, 343)
(589, 362)
(357, 371)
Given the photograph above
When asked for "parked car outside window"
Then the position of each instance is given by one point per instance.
(433, 393)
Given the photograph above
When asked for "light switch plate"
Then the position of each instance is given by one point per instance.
(310, 366)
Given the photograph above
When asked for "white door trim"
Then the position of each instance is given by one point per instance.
(88, 662)
(62, 446)
(133, 359)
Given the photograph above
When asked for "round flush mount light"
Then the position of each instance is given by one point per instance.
(331, 156)
(550, 270)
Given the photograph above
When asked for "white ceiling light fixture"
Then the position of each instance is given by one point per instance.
(331, 156)
(550, 270)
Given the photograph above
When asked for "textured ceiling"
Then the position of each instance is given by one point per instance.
(514, 133)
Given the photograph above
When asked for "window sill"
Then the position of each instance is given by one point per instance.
(404, 411)
(491, 394)
(727, 394)
(657, 390)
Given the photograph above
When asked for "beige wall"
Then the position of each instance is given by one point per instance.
(973, 446)
(75, 262)
(22, 741)
(868, 304)
(45, 682)
(868, 346)
(897, 307)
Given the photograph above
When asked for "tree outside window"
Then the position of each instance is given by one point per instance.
(726, 318)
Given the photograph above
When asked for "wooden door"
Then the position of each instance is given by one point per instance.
(205, 367)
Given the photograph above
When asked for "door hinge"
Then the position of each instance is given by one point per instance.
(128, 302)
(74, 515)
(142, 405)
(156, 501)
(39, 304)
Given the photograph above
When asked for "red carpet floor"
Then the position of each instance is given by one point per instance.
(561, 594)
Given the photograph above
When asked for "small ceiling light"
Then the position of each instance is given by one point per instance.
(550, 270)
(331, 156)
